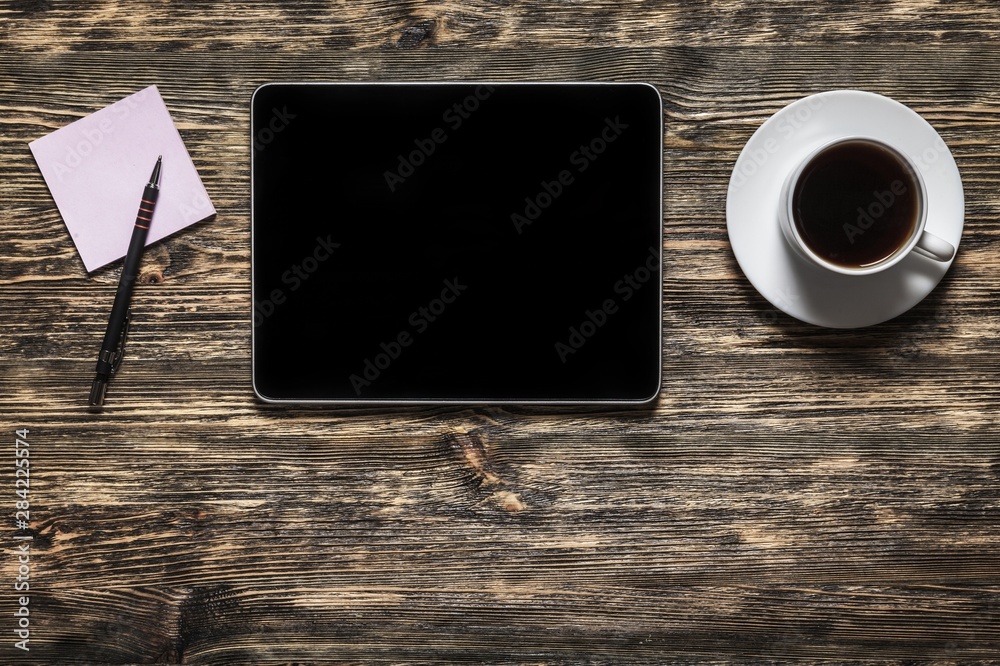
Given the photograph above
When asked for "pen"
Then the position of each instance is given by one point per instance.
(113, 347)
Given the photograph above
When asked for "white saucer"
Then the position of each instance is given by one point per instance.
(789, 282)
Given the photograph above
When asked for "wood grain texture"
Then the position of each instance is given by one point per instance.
(796, 493)
(314, 25)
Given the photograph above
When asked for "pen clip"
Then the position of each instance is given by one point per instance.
(120, 352)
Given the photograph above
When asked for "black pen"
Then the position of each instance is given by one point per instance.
(113, 346)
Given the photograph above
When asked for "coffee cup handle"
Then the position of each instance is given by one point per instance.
(933, 247)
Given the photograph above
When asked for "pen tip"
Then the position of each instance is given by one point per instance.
(154, 178)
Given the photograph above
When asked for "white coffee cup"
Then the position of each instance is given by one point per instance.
(919, 240)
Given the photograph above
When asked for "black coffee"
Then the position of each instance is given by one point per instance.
(856, 204)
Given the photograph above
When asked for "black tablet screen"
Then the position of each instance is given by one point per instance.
(457, 242)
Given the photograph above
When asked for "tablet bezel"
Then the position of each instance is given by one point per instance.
(449, 401)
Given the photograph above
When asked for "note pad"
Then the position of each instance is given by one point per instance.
(96, 168)
(458, 243)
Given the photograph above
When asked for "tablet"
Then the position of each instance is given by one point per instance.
(456, 242)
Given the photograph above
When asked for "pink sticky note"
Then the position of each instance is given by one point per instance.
(96, 168)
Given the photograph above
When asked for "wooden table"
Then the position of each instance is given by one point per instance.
(796, 492)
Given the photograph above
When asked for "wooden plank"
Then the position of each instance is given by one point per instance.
(314, 27)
